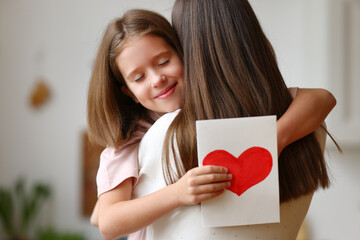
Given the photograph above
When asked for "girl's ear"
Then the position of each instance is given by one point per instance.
(127, 92)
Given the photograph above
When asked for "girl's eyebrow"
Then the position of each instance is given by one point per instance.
(156, 56)
(161, 54)
(132, 73)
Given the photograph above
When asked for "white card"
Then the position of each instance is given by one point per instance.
(248, 147)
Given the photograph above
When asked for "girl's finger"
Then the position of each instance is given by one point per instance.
(207, 196)
(210, 169)
(210, 178)
(209, 188)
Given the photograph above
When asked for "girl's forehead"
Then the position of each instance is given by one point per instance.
(147, 40)
(144, 37)
(129, 40)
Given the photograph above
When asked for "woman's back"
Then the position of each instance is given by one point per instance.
(185, 222)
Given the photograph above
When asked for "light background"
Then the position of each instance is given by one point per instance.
(317, 44)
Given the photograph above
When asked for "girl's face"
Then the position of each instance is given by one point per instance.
(153, 73)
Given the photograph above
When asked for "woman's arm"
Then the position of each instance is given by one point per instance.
(119, 215)
(308, 110)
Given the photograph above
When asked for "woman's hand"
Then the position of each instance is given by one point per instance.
(202, 183)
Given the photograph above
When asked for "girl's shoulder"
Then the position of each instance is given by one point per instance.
(142, 127)
(116, 165)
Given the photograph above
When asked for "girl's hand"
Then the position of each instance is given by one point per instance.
(202, 183)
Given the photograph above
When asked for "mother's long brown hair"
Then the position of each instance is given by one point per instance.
(231, 71)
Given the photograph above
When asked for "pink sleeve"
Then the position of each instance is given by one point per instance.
(116, 166)
(139, 235)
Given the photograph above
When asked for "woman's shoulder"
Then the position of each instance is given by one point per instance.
(293, 91)
(157, 131)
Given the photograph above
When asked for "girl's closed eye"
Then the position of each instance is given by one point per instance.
(139, 77)
(164, 62)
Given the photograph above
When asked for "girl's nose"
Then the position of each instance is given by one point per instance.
(159, 80)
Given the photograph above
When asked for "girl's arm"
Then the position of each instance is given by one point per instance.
(95, 215)
(119, 215)
(308, 110)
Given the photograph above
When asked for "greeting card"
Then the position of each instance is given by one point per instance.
(248, 148)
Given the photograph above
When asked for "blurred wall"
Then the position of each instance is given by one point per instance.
(57, 41)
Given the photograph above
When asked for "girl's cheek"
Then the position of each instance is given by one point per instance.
(178, 71)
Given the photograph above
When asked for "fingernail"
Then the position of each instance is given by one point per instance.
(226, 170)
(229, 176)
(228, 184)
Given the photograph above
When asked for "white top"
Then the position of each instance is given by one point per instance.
(185, 222)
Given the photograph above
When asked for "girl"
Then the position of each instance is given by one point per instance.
(119, 99)
(139, 67)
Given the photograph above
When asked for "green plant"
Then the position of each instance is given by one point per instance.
(6, 209)
(51, 234)
(18, 208)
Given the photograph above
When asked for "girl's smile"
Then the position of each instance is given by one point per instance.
(167, 92)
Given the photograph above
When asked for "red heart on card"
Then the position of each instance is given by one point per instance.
(249, 169)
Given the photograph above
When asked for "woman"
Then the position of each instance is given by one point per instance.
(230, 70)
